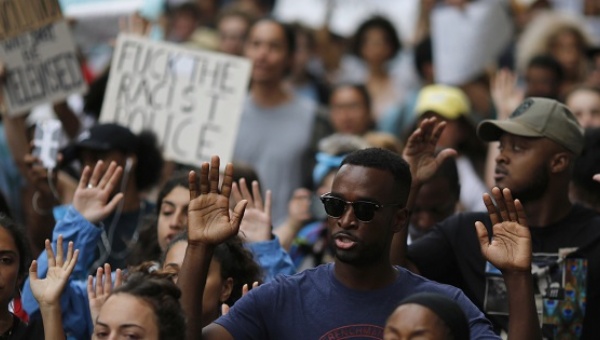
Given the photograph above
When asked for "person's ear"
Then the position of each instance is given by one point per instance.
(560, 162)
(226, 289)
(400, 219)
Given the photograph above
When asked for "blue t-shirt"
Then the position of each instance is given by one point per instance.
(315, 305)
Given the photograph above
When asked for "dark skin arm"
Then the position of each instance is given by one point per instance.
(68, 119)
(509, 250)
(209, 224)
(420, 155)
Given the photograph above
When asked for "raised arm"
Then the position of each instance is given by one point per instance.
(99, 291)
(93, 201)
(509, 250)
(420, 153)
(47, 291)
(209, 224)
(256, 231)
(298, 214)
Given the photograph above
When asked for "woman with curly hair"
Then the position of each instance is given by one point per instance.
(231, 268)
(146, 306)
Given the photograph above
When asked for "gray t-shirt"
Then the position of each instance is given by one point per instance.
(275, 141)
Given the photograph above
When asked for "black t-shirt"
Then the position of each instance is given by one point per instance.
(451, 254)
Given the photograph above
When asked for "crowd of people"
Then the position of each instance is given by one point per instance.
(365, 199)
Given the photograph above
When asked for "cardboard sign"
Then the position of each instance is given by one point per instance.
(19, 16)
(466, 41)
(191, 99)
(41, 66)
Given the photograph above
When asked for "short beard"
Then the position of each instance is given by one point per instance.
(366, 257)
(536, 189)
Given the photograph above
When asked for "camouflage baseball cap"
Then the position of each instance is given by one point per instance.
(537, 117)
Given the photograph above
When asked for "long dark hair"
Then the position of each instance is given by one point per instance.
(147, 247)
(158, 290)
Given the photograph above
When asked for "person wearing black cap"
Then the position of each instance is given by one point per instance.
(141, 161)
(429, 315)
(538, 146)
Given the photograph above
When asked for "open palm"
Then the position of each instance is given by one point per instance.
(47, 291)
(256, 225)
(510, 246)
(209, 222)
(420, 150)
(92, 198)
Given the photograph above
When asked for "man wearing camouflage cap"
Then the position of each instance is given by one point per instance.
(538, 145)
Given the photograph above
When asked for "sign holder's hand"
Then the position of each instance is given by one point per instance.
(510, 247)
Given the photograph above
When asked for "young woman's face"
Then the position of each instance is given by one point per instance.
(216, 290)
(375, 47)
(9, 267)
(124, 316)
(567, 49)
(172, 216)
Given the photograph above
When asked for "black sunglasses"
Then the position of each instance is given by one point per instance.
(363, 210)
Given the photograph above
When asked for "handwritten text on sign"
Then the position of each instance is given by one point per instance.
(191, 99)
(19, 16)
(41, 66)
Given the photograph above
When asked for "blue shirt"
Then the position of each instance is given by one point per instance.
(315, 305)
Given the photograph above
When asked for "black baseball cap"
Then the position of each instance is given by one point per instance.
(108, 137)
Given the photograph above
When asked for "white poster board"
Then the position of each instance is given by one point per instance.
(39, 56)
(347, 15)
(466, 41)
(191, 99)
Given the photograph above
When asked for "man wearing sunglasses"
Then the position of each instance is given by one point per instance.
(352, 297)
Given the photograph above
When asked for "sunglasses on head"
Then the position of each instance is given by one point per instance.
(363, 210)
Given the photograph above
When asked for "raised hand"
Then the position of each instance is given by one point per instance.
(299, 206)
(47, 291)
(93, 195)
(209, 222)
(256, 225)
(419, 151)
(37, 175)
(505, 93)
(510, 246)
(98, 293)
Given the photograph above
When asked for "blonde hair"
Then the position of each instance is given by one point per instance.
(384, 140)
(544, 28)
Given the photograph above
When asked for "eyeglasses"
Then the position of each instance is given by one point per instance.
(363, 210)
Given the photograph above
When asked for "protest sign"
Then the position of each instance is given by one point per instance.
(482, 28)
(347, 15)
(41, 66)
(191, 99)
(19, 16)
